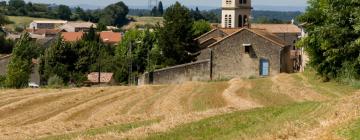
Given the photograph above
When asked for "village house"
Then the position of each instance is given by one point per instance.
(77, 26)
(46, 24)
(237, 49)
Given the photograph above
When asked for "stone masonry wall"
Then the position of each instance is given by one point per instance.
(230, 59)
(197, 71)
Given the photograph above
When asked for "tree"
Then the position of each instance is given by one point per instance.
(176, 36)
(160, 8)
(154, 11)
(200, 27)
(64, 12)
(333, 41)
(20, 66)
(115, 13)
(58, 59)
(197, 14)
(17, 4)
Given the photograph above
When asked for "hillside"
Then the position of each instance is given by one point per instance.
(21, 21)
(295, 106)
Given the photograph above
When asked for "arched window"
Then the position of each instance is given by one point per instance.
(240, 21)
(245, 21)
(230, 20)
(241, 1)
(228, 1)
(244, 1)
(226, 20)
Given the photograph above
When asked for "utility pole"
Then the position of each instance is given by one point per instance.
(130, 63)
(99, 65)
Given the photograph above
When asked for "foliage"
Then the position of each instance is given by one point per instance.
(20, 66)
(333, 41)
(200, 27)
(175, 38)
(6, 45)
(64, 12)
(59, 59)
(115, 14)
(55, 82)
(2, 81)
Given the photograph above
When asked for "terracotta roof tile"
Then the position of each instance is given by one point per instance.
(104, 77)
(110, 37)
(277, 28)
(72, 36)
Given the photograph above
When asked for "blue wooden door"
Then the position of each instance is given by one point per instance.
(264, 67)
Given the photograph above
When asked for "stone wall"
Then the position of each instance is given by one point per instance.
(196, 71)
(4, 61)
(230, 59)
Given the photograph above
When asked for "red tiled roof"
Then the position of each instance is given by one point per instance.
(104, 77)
(110, 37)
(72, 36)
(277, 28)
(107, 37)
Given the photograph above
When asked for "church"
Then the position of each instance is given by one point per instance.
(238, 48)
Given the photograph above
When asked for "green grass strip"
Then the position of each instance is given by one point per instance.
(240, 125)
(352, 132)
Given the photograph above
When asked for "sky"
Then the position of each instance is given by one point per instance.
(208, 3)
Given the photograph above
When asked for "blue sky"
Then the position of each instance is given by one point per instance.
(209, 3)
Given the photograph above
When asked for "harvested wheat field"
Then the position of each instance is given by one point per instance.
(295, 106)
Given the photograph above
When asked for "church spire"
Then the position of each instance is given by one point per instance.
(235, 13)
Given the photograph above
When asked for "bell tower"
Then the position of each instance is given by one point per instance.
(235, 13)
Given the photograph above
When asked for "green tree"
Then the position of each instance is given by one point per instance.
(175, 38)
(64, 12)
(17, 4)
(160, 8)
(115, 14)
(200, 27)
(333, 41)
(59, 59)
(20, 66)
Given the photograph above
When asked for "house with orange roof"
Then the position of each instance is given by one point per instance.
(107, 37)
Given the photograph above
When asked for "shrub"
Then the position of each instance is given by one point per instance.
(2, 81)
(55, 82)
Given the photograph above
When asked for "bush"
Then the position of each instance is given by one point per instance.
(2, 81)
(55, 82)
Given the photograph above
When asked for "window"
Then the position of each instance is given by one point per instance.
(240, 21)
(228, 1)
(226, 21)
(229, 21)
(244, 1)
(247, 49)
(245, 21)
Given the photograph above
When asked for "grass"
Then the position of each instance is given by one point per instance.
(96, 131)
(330, 89)
(262, 93)
(21, 21)
(209, 96)
(240, 125)
(352, 132)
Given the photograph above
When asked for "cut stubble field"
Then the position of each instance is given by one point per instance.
(294, 106)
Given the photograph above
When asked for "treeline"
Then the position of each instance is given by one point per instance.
(139, 51)
(214, 16)
(114, 14)
(333, 40)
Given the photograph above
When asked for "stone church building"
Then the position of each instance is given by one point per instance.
(237, 49)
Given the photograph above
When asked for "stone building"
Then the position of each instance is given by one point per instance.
(237, 49)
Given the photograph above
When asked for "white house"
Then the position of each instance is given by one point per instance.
(46, 24)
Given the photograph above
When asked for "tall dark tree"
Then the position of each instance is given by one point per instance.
(154, 11)
(176, 35)
(17, 3)
(20, 66)
(116, 13)
(64, 12)
(160, 8)
(333, 41)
